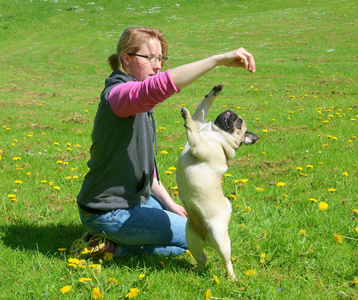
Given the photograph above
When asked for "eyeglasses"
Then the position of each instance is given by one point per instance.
(152, 59)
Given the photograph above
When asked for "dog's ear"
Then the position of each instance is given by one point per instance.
(250, 138)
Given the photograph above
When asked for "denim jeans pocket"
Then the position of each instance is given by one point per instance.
(105, 223)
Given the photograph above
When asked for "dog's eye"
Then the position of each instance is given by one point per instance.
(239, 123)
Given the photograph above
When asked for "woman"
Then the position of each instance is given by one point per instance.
(122, 203)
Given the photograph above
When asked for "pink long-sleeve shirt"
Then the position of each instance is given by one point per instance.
(135, 97)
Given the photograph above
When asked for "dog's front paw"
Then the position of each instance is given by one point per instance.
(184, 113)
(217, 89)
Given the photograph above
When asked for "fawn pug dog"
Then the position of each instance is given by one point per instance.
(200, 168)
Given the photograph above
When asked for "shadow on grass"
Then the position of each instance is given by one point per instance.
(46, 239)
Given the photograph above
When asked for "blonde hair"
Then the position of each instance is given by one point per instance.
(131, 40)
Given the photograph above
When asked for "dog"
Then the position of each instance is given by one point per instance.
(200, 168)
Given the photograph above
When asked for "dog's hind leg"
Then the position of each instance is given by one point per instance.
(203, 108)
(221, 243)
(196, 247)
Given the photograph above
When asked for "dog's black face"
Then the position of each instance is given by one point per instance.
(229, 121)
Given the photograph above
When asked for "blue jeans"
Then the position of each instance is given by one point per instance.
(144, 229)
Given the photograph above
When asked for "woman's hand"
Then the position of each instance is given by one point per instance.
(238, 58)
(176, 208)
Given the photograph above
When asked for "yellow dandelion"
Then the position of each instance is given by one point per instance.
(337, 238)
(299, 168)
(164, 152)
(108, 256)
(227, 175)
(322, 206)
(302, 233)
(85, 279)
(61, 249)
(356, 229)
(96, 268)
(355, 210)
(132, 293)
(112, 281)
(281, 184)
(18, 181)
(11, 196)
(309, 166)
(56, 187)
(66, 289)
(96, 293)
(264, 130)
(207, 294)
(233, 197)
(313, 199)
(172, 168)
(142, 276)
(251, 273)
(345, 174)
(355, 281)
(332, 190)
(259, 189)
(216, 279)
(16, 158)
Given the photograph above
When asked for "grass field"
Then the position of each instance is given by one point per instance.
(294, 227)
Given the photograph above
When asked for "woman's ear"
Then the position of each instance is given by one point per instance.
(125, 58)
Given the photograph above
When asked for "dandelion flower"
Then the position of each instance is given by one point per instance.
(216, 279)
(96, 293)
(302, 233)
(356, 229)
(66, 289)
(345, 174)
(322, 206)
(74, 260)
(355, 281)
(259, 189)
(96, 267)
(332, 190)
(233, 197)
(142, 276)
(313, 199)
(251, 273)
(132, 293)
(108, 256)
(299, 168)
(18, 181)
(227, 175)
(337, 238)
(281, 184)
(309, 166)
(208, 294)
(84, 279)
(164, 152)
(61, 249)
(112, 281)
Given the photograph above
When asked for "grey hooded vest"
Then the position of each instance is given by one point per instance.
(122, 157)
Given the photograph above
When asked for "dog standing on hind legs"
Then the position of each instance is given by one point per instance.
(200, 168)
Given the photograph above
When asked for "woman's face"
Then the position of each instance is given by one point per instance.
(140, 67)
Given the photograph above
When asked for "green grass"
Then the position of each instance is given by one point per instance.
(52, 69)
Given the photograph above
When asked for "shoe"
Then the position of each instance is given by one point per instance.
(92, 246)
